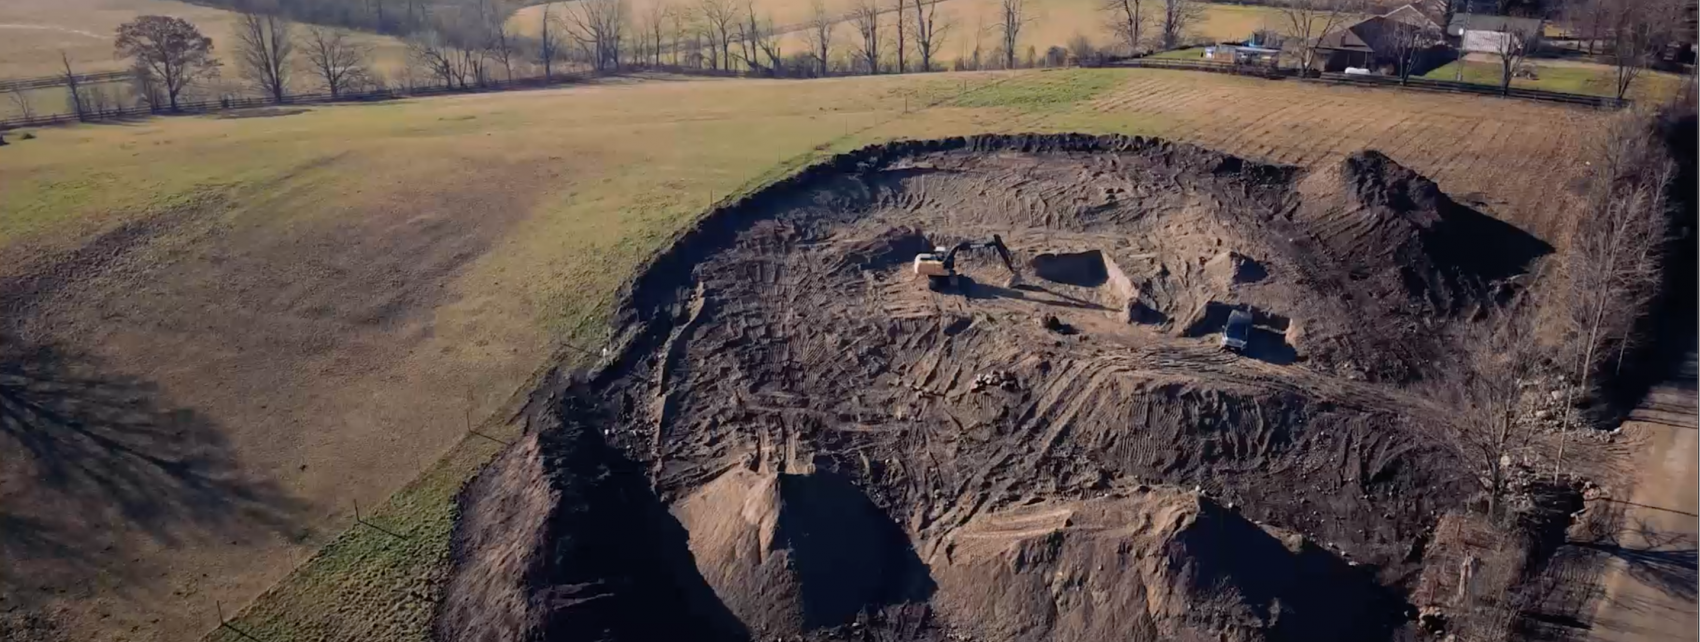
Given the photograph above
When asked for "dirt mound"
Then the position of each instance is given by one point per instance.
(789, 553)
(561, 538)
(1157, 564)
(1399, 235)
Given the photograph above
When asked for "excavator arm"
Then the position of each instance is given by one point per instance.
(1003, 253)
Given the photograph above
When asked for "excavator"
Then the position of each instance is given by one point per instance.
(939, 265)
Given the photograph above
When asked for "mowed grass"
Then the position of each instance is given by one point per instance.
(598, 178)
(33, 33)
(1575, 78)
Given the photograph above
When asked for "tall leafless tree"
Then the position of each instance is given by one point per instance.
(1483, 427)
(1126, 19)
(751, 33)
(1011, 19)
(929, 32)
(655, 16)
(549, 41)
(335, 57)
(431, 52)
(1611, 266)
(719, 17)
(73, 87)
(1307, 21)
(865, 19)
(503, 47)
(598, 26)
(1178, 15)
(1512, 47)
(819, 33)
(766, 40)
(264, 45)
(171, 49)
(679, 19)
(901, 26)
(1637, 30)
(1407, 43)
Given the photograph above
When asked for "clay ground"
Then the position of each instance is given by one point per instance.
(310, 298)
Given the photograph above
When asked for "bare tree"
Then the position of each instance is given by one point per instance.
(1126, 19)
(503, 47)
(752, 35)
(655, 16)
(1407, 43)
(1307, 21)
(264, 44)
(73, 87)
(1512, 47)
(1612, 263)
(929, 32)
(335, 58)
(865, 19)
(549, 41)
(900, 24)
(1010, 22)
(1483, 427)
(819, 33)
(430, 51)
(171, 49)
(1178, 15)
(766, 40)
(718, 17)
(1637, 28)
(598, 27)
(21, 102)
(679, 18)
(1081, 50)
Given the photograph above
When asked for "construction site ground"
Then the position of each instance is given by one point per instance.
(813, 439)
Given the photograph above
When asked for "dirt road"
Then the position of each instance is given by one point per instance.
(1650, 582)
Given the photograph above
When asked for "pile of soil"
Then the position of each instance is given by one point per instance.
(788, 553)
(1398, 235)
(1156, 564)
(562, 538)
(890, 423)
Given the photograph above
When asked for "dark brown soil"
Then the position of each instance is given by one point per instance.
(784, 340)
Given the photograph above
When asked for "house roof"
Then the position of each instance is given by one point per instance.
(1357, 37)
(1424, 13)
(1484, 22)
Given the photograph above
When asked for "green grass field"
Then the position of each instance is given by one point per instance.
(575, 187)
(1593, 80)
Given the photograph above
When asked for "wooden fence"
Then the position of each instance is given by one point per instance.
(49, 82)
(1420, 84)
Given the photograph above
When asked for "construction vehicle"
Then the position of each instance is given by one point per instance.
(1237, 332)
(939, 265)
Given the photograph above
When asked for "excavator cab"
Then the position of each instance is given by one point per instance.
(939, 265)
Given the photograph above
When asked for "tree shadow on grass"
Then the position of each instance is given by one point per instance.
(91, 460)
